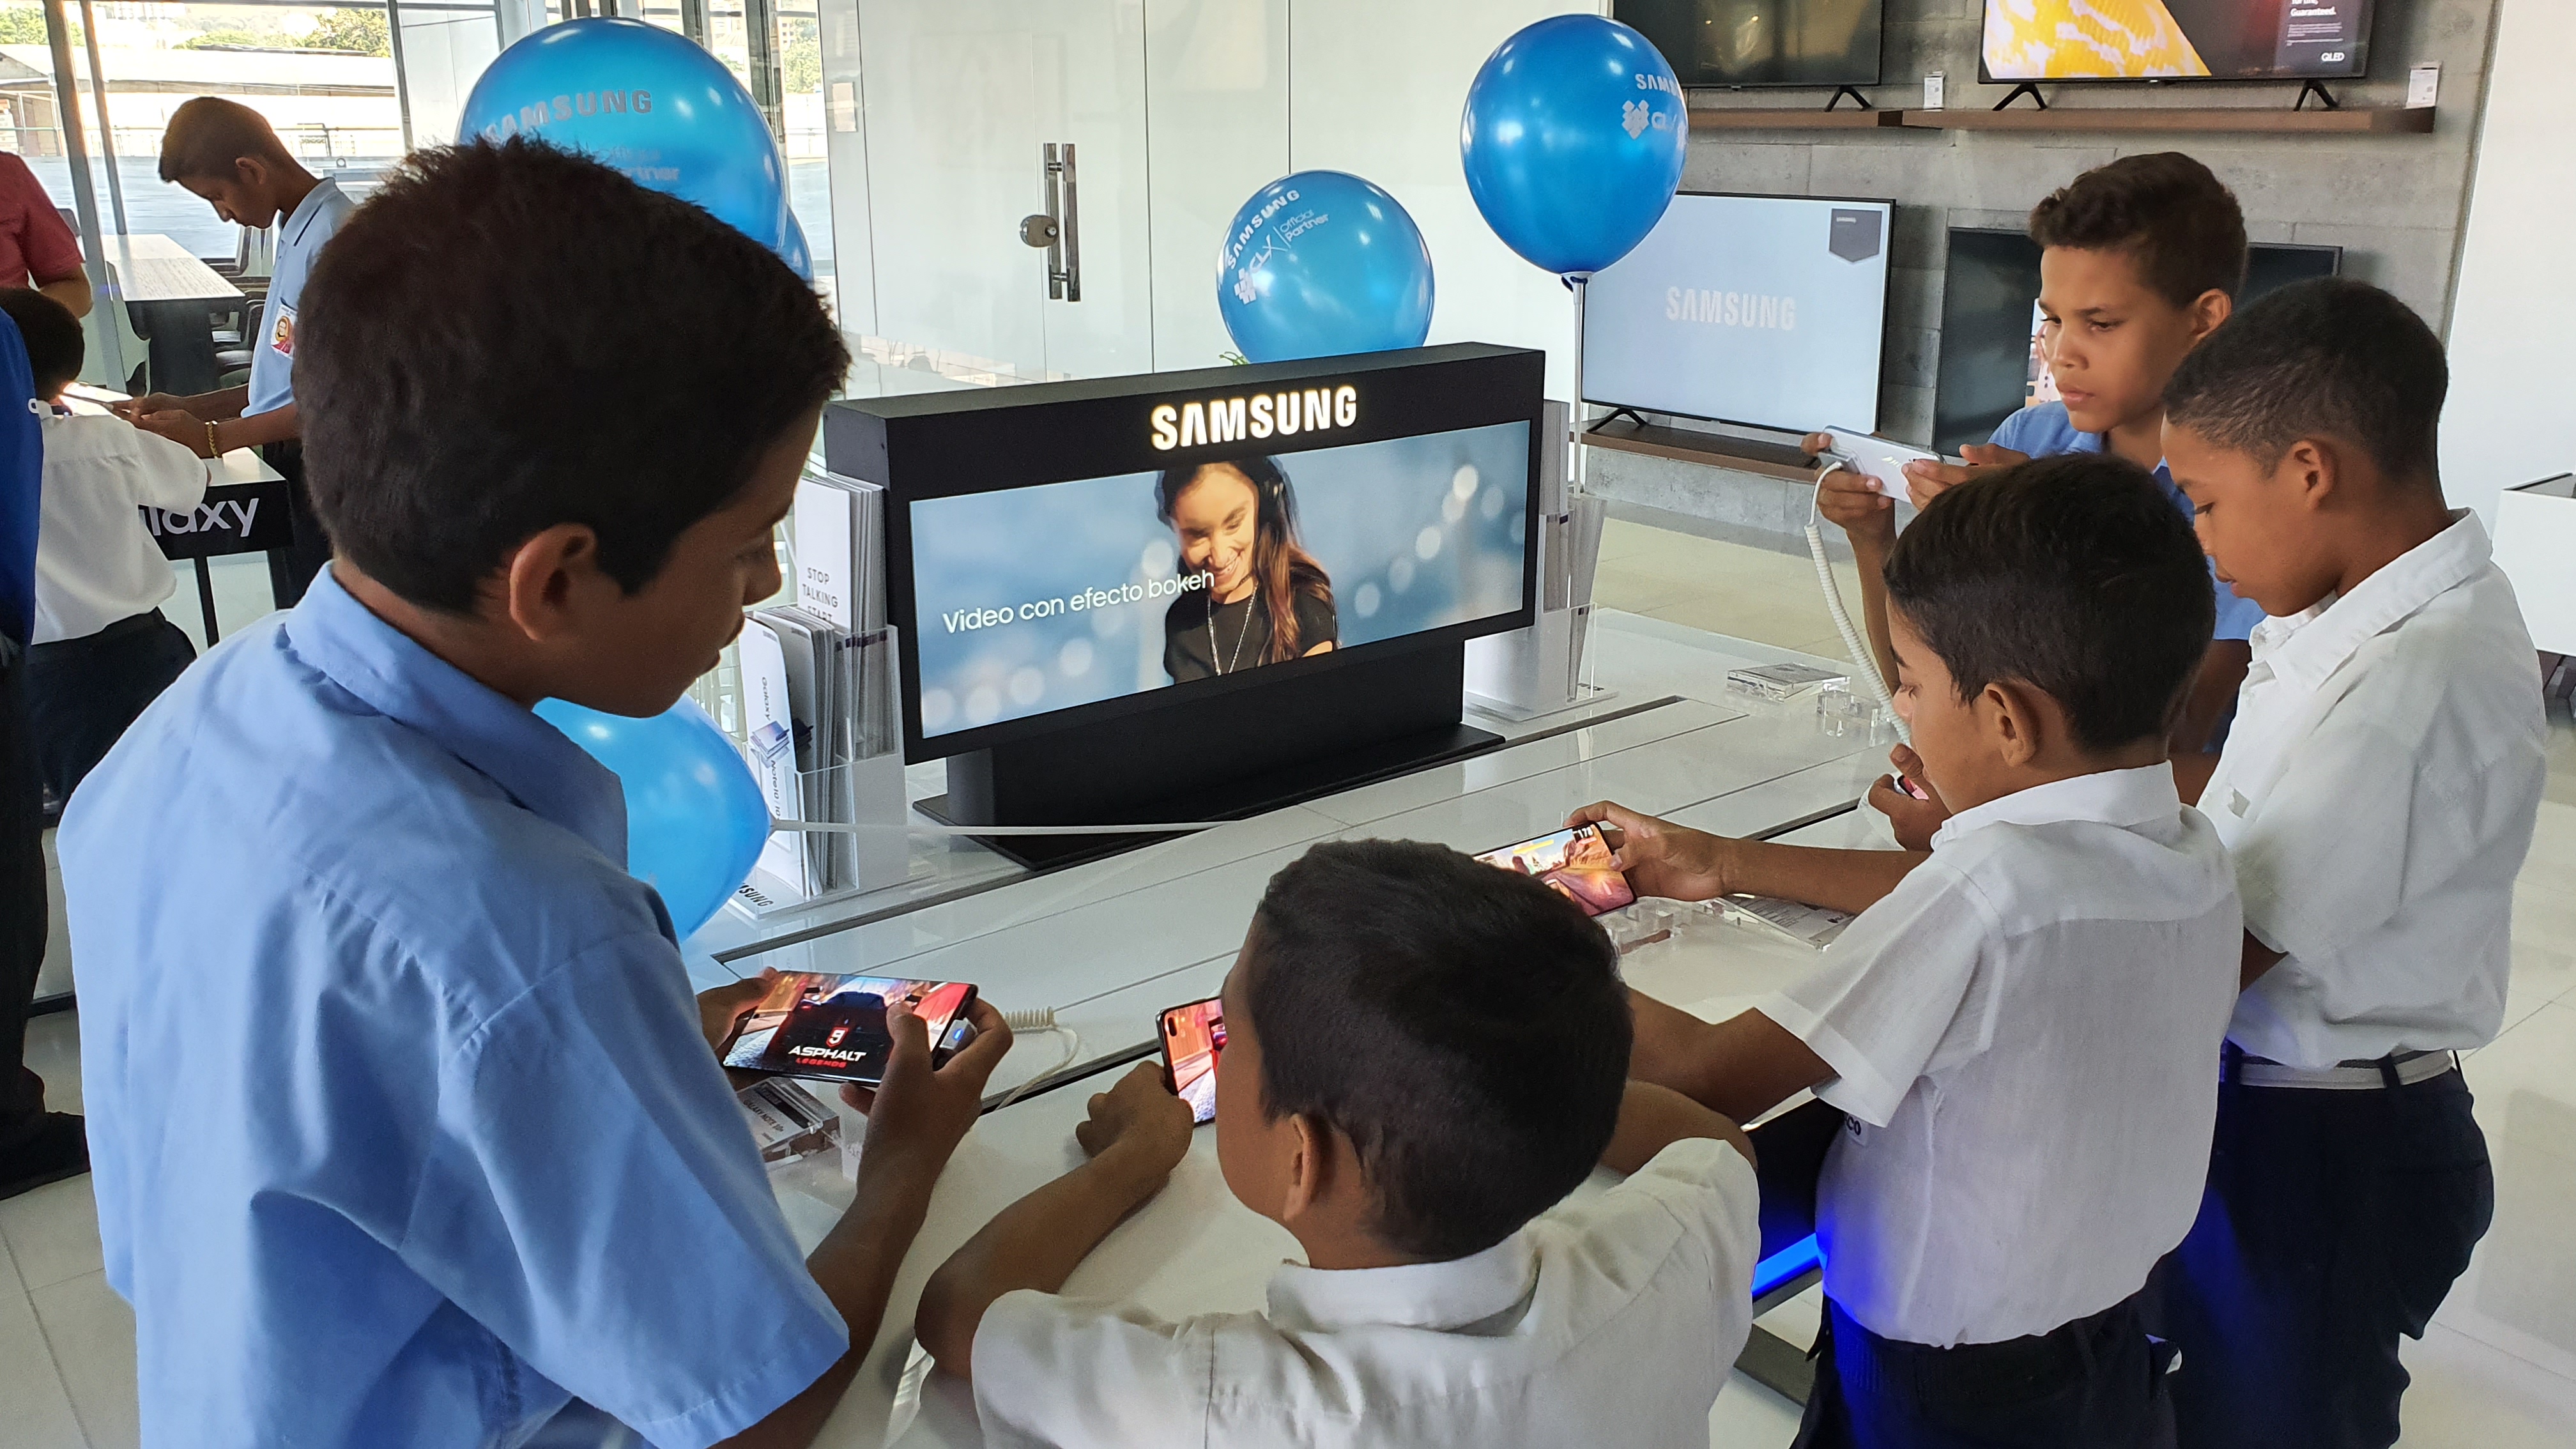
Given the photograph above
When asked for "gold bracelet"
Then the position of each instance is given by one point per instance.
(213, 450)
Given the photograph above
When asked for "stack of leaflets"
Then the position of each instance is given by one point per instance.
(1780, 682)
(819, 683)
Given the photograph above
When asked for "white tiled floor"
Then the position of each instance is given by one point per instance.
(2498, 1370)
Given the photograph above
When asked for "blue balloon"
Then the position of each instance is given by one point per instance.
(1322, 263)
(792, 247)
(695, 817)
(647, 102)
(1573, 141)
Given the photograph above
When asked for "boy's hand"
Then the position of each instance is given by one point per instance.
(183, 428)
(918, 1113)
(1927, 481)
(1913, 818)
(1139, 1119)
(722, 1009)
(1661, 858)
(1851, 501)
(134, 408)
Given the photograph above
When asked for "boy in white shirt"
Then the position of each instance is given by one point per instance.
(102, 649)
(2378, 794)
(2023, 1028)
(1423, 1056)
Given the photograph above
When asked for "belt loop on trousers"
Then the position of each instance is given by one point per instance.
(2388, 1070)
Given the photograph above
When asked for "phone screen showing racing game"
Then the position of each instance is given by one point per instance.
(1193, 1038)
(818, 1024)
(1575, 864)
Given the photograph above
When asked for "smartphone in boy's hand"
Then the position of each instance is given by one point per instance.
(1139, 1117)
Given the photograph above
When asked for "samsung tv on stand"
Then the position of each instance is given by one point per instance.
(1197, 595)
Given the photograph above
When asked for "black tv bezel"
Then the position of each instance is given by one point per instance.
(1946, 252)
(2369, 23)
(979, 442)
(1878, 362)
(1876, 76)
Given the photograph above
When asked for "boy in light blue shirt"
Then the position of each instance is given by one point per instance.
(404, 1125)
(2140, 260)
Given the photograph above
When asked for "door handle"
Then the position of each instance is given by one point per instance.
(1058, 229)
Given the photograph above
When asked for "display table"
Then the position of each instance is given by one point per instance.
(168, 293)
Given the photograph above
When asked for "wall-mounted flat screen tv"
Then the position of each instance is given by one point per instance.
(1764, 310)
(1991, 364)
(2092, 40)
(1762, 42)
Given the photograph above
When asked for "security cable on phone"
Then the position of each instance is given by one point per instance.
(1038, 1019)
(1864, 659)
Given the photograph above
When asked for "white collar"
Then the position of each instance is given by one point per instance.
(2125, 798)
(324, 188)
(2308, 647)
(1452, 1295)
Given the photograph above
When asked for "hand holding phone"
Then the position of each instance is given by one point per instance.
(1880, 461)
(1577, 864)
(1193, 1037)
(1142, 1118)
(834, 1027)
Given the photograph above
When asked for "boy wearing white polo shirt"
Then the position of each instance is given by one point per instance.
(2024, 1029)
(2378, 795)
(1423, 1056)
(227, 154)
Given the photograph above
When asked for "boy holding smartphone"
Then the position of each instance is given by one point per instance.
(2022, 1027)
(404, 1125)
(2140, 261)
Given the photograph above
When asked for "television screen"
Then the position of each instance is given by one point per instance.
(1990, 364)
(1064, 554)
(1761, 42)
(1766, 310)
(2037, 40)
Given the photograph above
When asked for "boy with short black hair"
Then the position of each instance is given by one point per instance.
(2378, 794)
(2023, 1026)
(2141, 259)
(1423, 1056)
(103, 651)
(405, 1127)
(228, 155)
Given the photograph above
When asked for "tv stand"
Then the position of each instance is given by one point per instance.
(2317, 89)
(1858, 99)
(1614, 415)
(2026, 88)
(1270, 744)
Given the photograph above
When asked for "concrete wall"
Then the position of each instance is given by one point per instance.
(2394, 203)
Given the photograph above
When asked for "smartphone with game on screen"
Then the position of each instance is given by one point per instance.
(1575, 864)
(1193, 1037)
(833, 1027)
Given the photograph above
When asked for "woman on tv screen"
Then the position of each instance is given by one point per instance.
(1267, 599)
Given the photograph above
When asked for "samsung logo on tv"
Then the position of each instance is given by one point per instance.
(1731, 309)
(1262, 415)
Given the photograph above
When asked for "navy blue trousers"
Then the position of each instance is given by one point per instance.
(2095, 1383)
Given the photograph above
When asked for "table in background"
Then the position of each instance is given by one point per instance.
(169, 293)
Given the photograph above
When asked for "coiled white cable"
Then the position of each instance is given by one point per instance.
(1864, 658)
(1038, 1019)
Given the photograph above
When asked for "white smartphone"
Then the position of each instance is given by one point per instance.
(1877, 459)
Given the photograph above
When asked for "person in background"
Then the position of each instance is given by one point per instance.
(2378, 795)
(37, 248)
(1415, 1130)
(1267, 599)
(2140, 259)
(102, 649)
(36, 1146)
(227, 154)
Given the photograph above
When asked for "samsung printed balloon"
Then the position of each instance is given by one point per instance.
(695, 819)
(647, 102)
(1573, 141)
(1319, 264)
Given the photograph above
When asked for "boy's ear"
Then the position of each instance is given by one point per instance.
(2313, 467)
(2209, 311)
(547, 582)
(2011, 715)
(1310, 1171)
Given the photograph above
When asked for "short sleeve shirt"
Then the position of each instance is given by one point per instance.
(402, 1124)
(36, 245)
(2026, 1035)
(1614, 1322)
(2043, 430)
(2378, 795)
(315, 221)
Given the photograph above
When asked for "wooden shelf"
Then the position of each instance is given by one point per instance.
(1707, 449)
(2348, 121)
(1778, 118)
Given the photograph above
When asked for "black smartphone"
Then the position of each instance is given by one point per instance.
(1573, 863)
(1193, 1037)
(832, 1027)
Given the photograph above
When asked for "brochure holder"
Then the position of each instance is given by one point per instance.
(1540, 670)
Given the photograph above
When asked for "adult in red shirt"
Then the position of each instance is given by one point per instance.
(36, 249)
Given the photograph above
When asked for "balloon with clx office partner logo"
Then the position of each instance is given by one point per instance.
(647, 102)
(1573, 140)
(695, 817)
(1319, 264)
